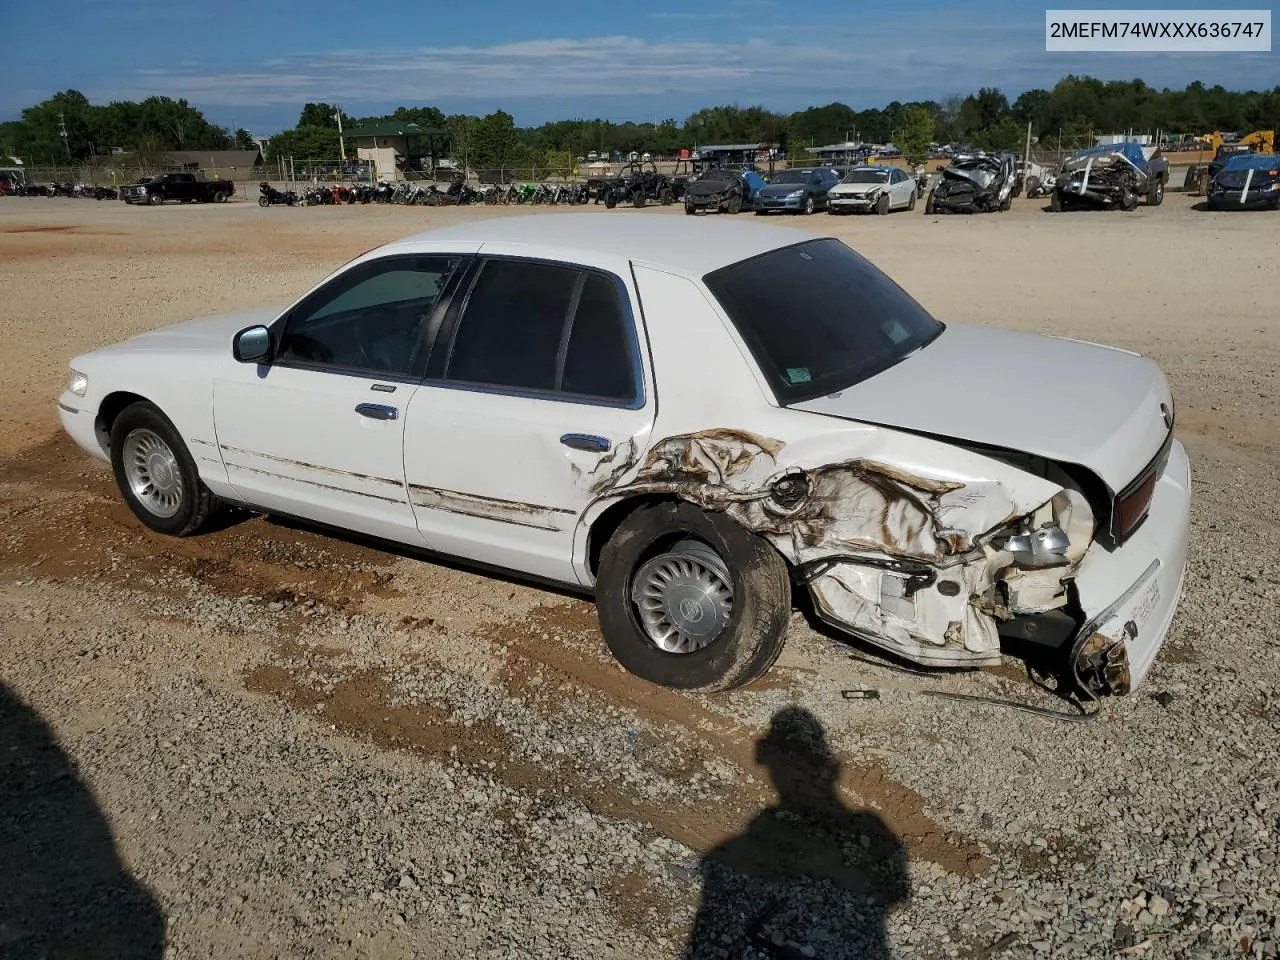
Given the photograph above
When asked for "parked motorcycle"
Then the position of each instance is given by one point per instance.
(269, 196)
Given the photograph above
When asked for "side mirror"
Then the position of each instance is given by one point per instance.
(252, 345)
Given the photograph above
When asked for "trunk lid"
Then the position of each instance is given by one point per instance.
(1099, 407)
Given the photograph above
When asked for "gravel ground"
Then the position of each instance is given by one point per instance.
(269, 742)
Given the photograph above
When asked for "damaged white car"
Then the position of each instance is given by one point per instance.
(690, 421)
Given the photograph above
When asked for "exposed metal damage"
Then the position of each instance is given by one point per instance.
(974, 183)
(922, 566)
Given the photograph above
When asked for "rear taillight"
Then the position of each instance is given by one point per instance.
(1132, 509)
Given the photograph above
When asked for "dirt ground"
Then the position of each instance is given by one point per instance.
(291, 744)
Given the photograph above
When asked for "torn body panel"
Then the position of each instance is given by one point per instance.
(908, 560)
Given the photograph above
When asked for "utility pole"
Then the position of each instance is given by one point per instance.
(342, 144)
(62, 128)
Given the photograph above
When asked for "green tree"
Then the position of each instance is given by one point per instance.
(244, 140)
(917, 132)
(319, 115)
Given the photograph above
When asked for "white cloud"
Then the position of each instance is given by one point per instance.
(865, 63)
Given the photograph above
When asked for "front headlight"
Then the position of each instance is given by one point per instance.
(78, 383)
(795, 193)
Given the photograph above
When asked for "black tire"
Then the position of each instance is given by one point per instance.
(1033, 184)
(1156, 195)
(756, 630)
(689, 209)
(735, 205)
(882, 205)
(1128, 200)
(196, 503)
(930, 207)
(638, 198)
(610, 201)
(155, 199)
(220, 197)
(264, 202)
(666, 197)
(911, 201)
(808, 205)
(1006, 204)
(1055, 202)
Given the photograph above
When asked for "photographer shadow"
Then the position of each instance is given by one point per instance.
(64, 894)
(809, 877)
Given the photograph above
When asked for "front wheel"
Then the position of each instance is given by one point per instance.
(264, 202)
(808, 205)
(1156, 196)
(666, 197)
(882, 205)
(911, 201)
(930, 205)
(155, 473)
(690, 599)
(610, 201)
(155, 199)
(638, 198)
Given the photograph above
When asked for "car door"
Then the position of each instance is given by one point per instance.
(897, 198)
(535, 387)
(318, 431)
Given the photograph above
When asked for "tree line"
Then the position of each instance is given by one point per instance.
(1072, 109)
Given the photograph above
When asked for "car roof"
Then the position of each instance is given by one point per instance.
(687, 245)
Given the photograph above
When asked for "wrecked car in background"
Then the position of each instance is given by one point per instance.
(1110, 177)
(780, 416)
(974, 183)
(721, 191)
(1248, 181)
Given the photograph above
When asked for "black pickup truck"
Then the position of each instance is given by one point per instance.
(183, 187)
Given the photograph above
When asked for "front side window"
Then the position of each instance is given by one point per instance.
(369, 318)
(546, 328)
(817, 317)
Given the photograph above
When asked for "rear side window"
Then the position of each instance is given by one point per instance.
(546, 328)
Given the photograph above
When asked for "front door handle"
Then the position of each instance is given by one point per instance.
(585, 441)
(377, 411)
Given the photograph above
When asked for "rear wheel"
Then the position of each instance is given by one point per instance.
(1033, 184)
(689, 599)
(220, 197)
(666, 197)
(155, 473)
(689, 209)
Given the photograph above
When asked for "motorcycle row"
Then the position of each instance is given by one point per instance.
(82, 191)
(457, 193)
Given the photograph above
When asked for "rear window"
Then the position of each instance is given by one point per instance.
(817, 317)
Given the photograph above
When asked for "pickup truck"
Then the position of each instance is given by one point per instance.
(1110, 177)
(183, 187)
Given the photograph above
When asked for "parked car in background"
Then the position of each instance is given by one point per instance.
(1111, 177)
(182, 187)
(1248, 181)
(840, 443)
(718, 191)
(872, 188)
(801, 190)
(974, 183)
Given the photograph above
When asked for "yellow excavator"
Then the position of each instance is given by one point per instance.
(1199, 174)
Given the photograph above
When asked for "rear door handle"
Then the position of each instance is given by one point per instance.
(377, 411)
(585, 441)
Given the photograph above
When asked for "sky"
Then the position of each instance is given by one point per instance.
(253, 63)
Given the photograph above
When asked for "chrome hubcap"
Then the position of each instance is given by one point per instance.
(153, 473)
(684, 597)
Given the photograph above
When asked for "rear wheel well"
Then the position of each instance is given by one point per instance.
(111, 407)
(607, 523)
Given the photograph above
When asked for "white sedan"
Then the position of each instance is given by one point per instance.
(690, 421)
(872, 188)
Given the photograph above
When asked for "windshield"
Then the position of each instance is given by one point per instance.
(817, 317)
(792, 176)
(866, 176)
(724, 176)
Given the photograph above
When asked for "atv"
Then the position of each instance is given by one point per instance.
(638, 183)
